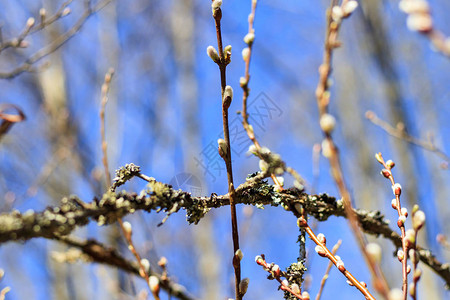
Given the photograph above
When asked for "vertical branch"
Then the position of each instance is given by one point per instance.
(222, 59)
(246, 55)
(144, 265)
(105, 90)
(335, 16)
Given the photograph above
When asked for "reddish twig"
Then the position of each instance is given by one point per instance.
(402, 214)
(323, 251)
(335, 16)
(277, 274)
(222, 59)
(327, 272)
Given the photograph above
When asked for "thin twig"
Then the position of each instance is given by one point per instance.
(103, 254)
(244, 82)
(401, 134)
(27, 65)
(335, 16)
(126, 229)
(397, 189)
(327, 272)
(325, 252)
(225, 150)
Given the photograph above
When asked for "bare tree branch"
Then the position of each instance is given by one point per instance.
(62, 220)
(109, 256)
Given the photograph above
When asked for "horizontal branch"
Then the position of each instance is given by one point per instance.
(109, 256)
(62, 220)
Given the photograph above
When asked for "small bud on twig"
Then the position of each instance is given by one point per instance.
(374, 251)
(227, 97)
(327, 123)
(246, 54)
(239, 254)
(153, 283)
(223, 148)
(212, 53)
(418, 220)
(249, 38)
(243, 286)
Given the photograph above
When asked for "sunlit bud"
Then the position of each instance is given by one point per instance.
(162, 262)
(379, 157)
(145, 264)
(301, 222)
(395, 294)
(259, 259)
(249, 38)
(401, 220)
(30, 22)
(363, 284)
(239, 254)
(285, 282)
(243, 286)
(327, 123)
(410, 236)
(418, 220)
(153, 283)
(245, 54)
(414, 6)
(337, 13)
(127, 227)
(263, 166)
(417, 274)
(415, 208)
(227, 52)
(350, 7)
(223, 148)
(66, 11)
(227, 96)
(397, 189)
(374, 251)
(306, 296)
(295, 288)
(42, 12)
(340, 265)
(408, 269)
(419, 22)
(250, 18)
(276, 271)
(386, 173)
(390, 164)
(404, 211)
(326, 148)
(298, 185)
(320, 251)
(394, 203)
(400, 255)
(349, 283)
(279, 171)
(252, 149)
(243, 81)
(216, 4)
(212, 53)
(413, 255)
(321, 238)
